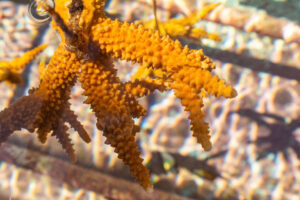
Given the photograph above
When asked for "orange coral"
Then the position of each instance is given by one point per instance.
(11, 71)
(184, 26)
(89, 42)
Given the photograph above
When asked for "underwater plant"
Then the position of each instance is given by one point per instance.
(89, 43)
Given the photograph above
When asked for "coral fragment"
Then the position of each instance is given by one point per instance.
(90, 41)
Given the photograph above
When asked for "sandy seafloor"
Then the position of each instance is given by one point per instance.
(255, 136)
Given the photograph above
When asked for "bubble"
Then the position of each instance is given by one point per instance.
(37, 13)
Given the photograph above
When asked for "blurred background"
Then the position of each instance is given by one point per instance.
(255, 136)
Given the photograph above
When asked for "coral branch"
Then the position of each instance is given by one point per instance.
(11, 71)
(135, 43)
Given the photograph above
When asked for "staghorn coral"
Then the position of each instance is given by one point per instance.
(89, 42)
(184, 26)
(11, 71)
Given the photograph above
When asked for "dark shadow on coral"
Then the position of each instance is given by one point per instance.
(281, 133)
(288, 9)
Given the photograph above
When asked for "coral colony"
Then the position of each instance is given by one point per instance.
(89, 43)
